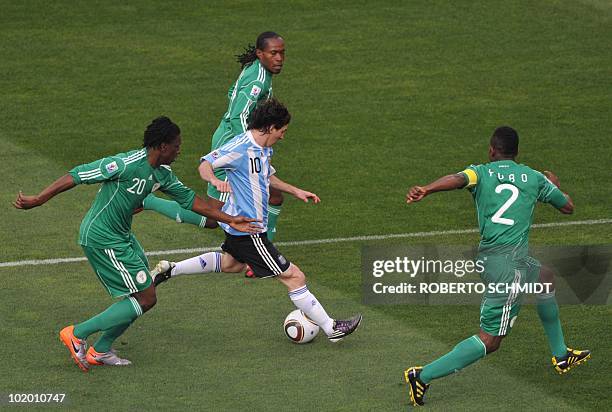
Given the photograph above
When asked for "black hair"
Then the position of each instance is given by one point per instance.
(161, 130)
(505, 140)
(267, 114)
(250, 52)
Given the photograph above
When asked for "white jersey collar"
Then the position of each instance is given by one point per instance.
(252, 139)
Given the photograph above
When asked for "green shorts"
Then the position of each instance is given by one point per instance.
(499, 310)
(122, 271)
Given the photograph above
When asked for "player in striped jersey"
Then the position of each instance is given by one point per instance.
(505, 194)
(259, 63)
(106, 238)
(246, 159)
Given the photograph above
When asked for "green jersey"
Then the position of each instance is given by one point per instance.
(127, 178)
(253, 84)
(505, 194)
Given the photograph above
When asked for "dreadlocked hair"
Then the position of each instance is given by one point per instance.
(250, 52)
(161, 130)
(267, 114)
(247, 57)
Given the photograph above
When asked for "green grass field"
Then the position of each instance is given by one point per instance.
(384, 95)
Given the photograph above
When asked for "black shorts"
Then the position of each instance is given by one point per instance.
(257, 252)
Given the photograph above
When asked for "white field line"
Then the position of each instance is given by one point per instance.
(312, 242)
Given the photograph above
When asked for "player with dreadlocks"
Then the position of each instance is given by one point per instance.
(258, 63)
(106, 236)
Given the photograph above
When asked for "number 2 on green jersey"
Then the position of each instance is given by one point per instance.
(497, 217)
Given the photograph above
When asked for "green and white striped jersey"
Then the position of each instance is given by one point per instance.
(505, 194)
(253, 84)
(127, 178)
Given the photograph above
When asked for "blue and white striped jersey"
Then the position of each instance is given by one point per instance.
(248, 169)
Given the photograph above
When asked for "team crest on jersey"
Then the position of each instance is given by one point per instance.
(141, 277)
(255, 91)
(111, 167)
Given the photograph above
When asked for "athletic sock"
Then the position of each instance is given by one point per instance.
(105, 342)
(173, 210)
(548, 310)
(465, 353)
(308, 303)
(273, 212)
(206, 263)
(124, 311)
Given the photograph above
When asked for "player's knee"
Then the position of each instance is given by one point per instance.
(295, 274)
(276, 198)
(493, 346)
(547, 276)
(146, 298)
(229, 265)
(491, 343)
(147, 301)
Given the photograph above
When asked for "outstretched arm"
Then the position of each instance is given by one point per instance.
(568, 208)
(301, 194)
(239, 223)
(62, 184)
(449, 182)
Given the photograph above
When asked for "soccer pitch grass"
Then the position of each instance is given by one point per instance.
(383, 95)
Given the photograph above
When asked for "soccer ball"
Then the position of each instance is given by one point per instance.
(298, 328)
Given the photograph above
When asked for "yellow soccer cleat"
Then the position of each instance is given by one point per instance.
(417, 387)
(573, 358)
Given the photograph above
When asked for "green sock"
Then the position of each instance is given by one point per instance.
(548, 310)
(104, 343)
(173, 210)
(273, 212)
(124, 311)
(465, 353)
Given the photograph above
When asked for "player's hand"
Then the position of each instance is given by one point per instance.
(415, 194)
(304, 196)
(222, 186)
(26, 202)
(552, 177)
(245, 224)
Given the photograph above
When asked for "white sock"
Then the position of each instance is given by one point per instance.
(307, 303)
(206, 263)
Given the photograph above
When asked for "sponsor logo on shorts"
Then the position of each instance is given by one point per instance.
(155, 187)
(112, 167)
(215, 154)
(203, 263)
(282, 260)
(141, 277)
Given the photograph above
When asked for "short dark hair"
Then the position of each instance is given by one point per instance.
(267, 114)
(505, 140)
(161, 130)
(250, 52)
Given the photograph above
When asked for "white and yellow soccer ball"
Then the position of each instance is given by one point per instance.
(298, 328)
